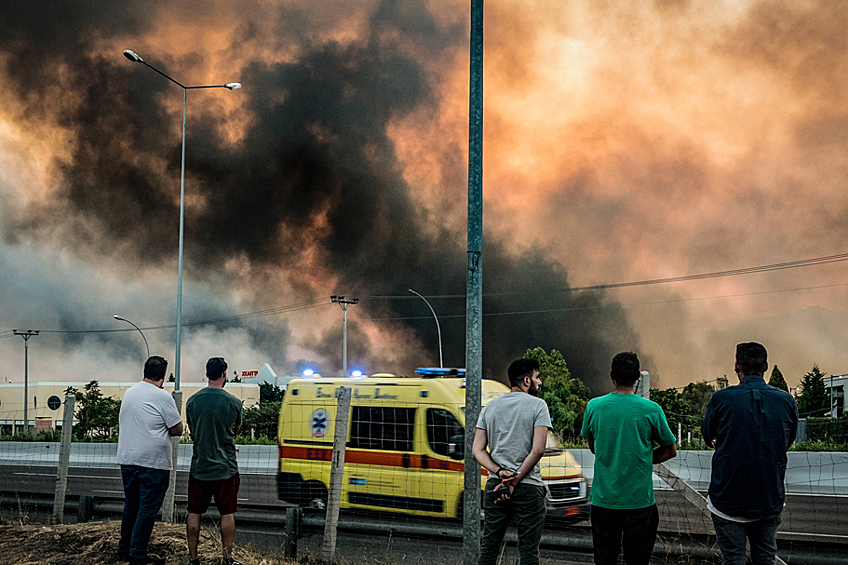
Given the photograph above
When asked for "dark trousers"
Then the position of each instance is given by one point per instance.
(635, 530)
(144, 490)
(731, 537)
(527, 506)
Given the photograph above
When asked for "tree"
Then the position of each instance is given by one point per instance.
(676, 411)
(566, 396)
(96, 414)
(696, 396)
(777, 380)
(814, 399)
(270, 393)
(262, 419)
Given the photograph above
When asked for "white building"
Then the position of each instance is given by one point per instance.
(835, 386)
(44, 402)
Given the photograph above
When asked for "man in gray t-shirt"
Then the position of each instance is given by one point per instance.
(514, 427)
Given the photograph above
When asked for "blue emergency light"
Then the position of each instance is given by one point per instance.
(439, 372)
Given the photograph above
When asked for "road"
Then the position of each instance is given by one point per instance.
(807, 517)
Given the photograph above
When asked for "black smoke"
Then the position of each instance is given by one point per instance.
(314, 170)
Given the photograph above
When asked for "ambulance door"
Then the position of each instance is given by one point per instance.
(437, 476)
(378, 457)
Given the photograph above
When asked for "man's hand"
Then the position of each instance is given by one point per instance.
(507, 489)
(510, 481)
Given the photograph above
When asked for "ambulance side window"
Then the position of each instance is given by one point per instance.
(382, 428)
(441, 427)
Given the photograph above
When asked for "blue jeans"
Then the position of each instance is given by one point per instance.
(761, 534)
(527, 505)
(634, 530)
(144, 490)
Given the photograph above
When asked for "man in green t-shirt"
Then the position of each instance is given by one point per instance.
(214, 420)
(622, 429)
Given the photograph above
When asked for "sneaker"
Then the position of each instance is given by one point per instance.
(194, 561)
(123, 556)
(230, 561)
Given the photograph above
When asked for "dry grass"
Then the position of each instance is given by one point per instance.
(96, 543)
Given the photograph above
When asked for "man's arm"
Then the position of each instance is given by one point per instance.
(591, 445)
(540, 435)
(664, 453)
(236, 429)
(176, 430)
(481, 454)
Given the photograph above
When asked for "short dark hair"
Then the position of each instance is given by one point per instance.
(155, 368)
(625, 368)
(521, 368)
(215, 368)
(752, 358)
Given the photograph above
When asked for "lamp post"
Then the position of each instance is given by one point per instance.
(438, 329)
(136, 58)
(136, 327)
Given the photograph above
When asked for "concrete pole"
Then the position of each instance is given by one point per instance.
(474, 290)
(64, 461)
(334, 494)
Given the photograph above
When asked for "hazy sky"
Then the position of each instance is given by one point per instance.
(624, 142)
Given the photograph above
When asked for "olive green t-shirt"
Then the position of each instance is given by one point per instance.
(211, 414)
(625, 428)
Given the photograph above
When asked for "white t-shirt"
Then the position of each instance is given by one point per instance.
(147, 412)
(510, 421)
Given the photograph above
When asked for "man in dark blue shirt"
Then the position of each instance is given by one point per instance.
(751, 426)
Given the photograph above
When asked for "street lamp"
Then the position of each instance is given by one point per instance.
(136, 58)
(438, 329)
(136, 327)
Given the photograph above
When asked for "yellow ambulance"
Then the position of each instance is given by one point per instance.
(405, 443)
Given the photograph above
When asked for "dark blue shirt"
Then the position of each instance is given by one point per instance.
(753, 424)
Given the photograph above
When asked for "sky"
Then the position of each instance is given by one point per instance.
(624, 142)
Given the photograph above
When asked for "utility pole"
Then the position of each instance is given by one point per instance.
(474, 288)
(344, 303)
(26, 335)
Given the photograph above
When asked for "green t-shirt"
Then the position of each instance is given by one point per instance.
(625, 428)
(211, 414)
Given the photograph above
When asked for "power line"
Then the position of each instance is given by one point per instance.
(628, 304)
(647, 282)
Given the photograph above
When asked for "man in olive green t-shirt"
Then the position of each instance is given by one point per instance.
(622, 429)
(214, 420)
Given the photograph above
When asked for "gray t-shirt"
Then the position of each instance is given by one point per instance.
(147, 412)
(509, 421)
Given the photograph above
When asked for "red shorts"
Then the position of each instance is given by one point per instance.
(225, 491)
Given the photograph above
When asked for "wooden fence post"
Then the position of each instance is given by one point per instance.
(64, 461)
(293, 524)
(334, 496)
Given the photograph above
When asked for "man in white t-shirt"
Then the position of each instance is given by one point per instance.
(515, 427)
(148, 419)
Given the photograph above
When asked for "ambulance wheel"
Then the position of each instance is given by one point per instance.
(314, 495)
